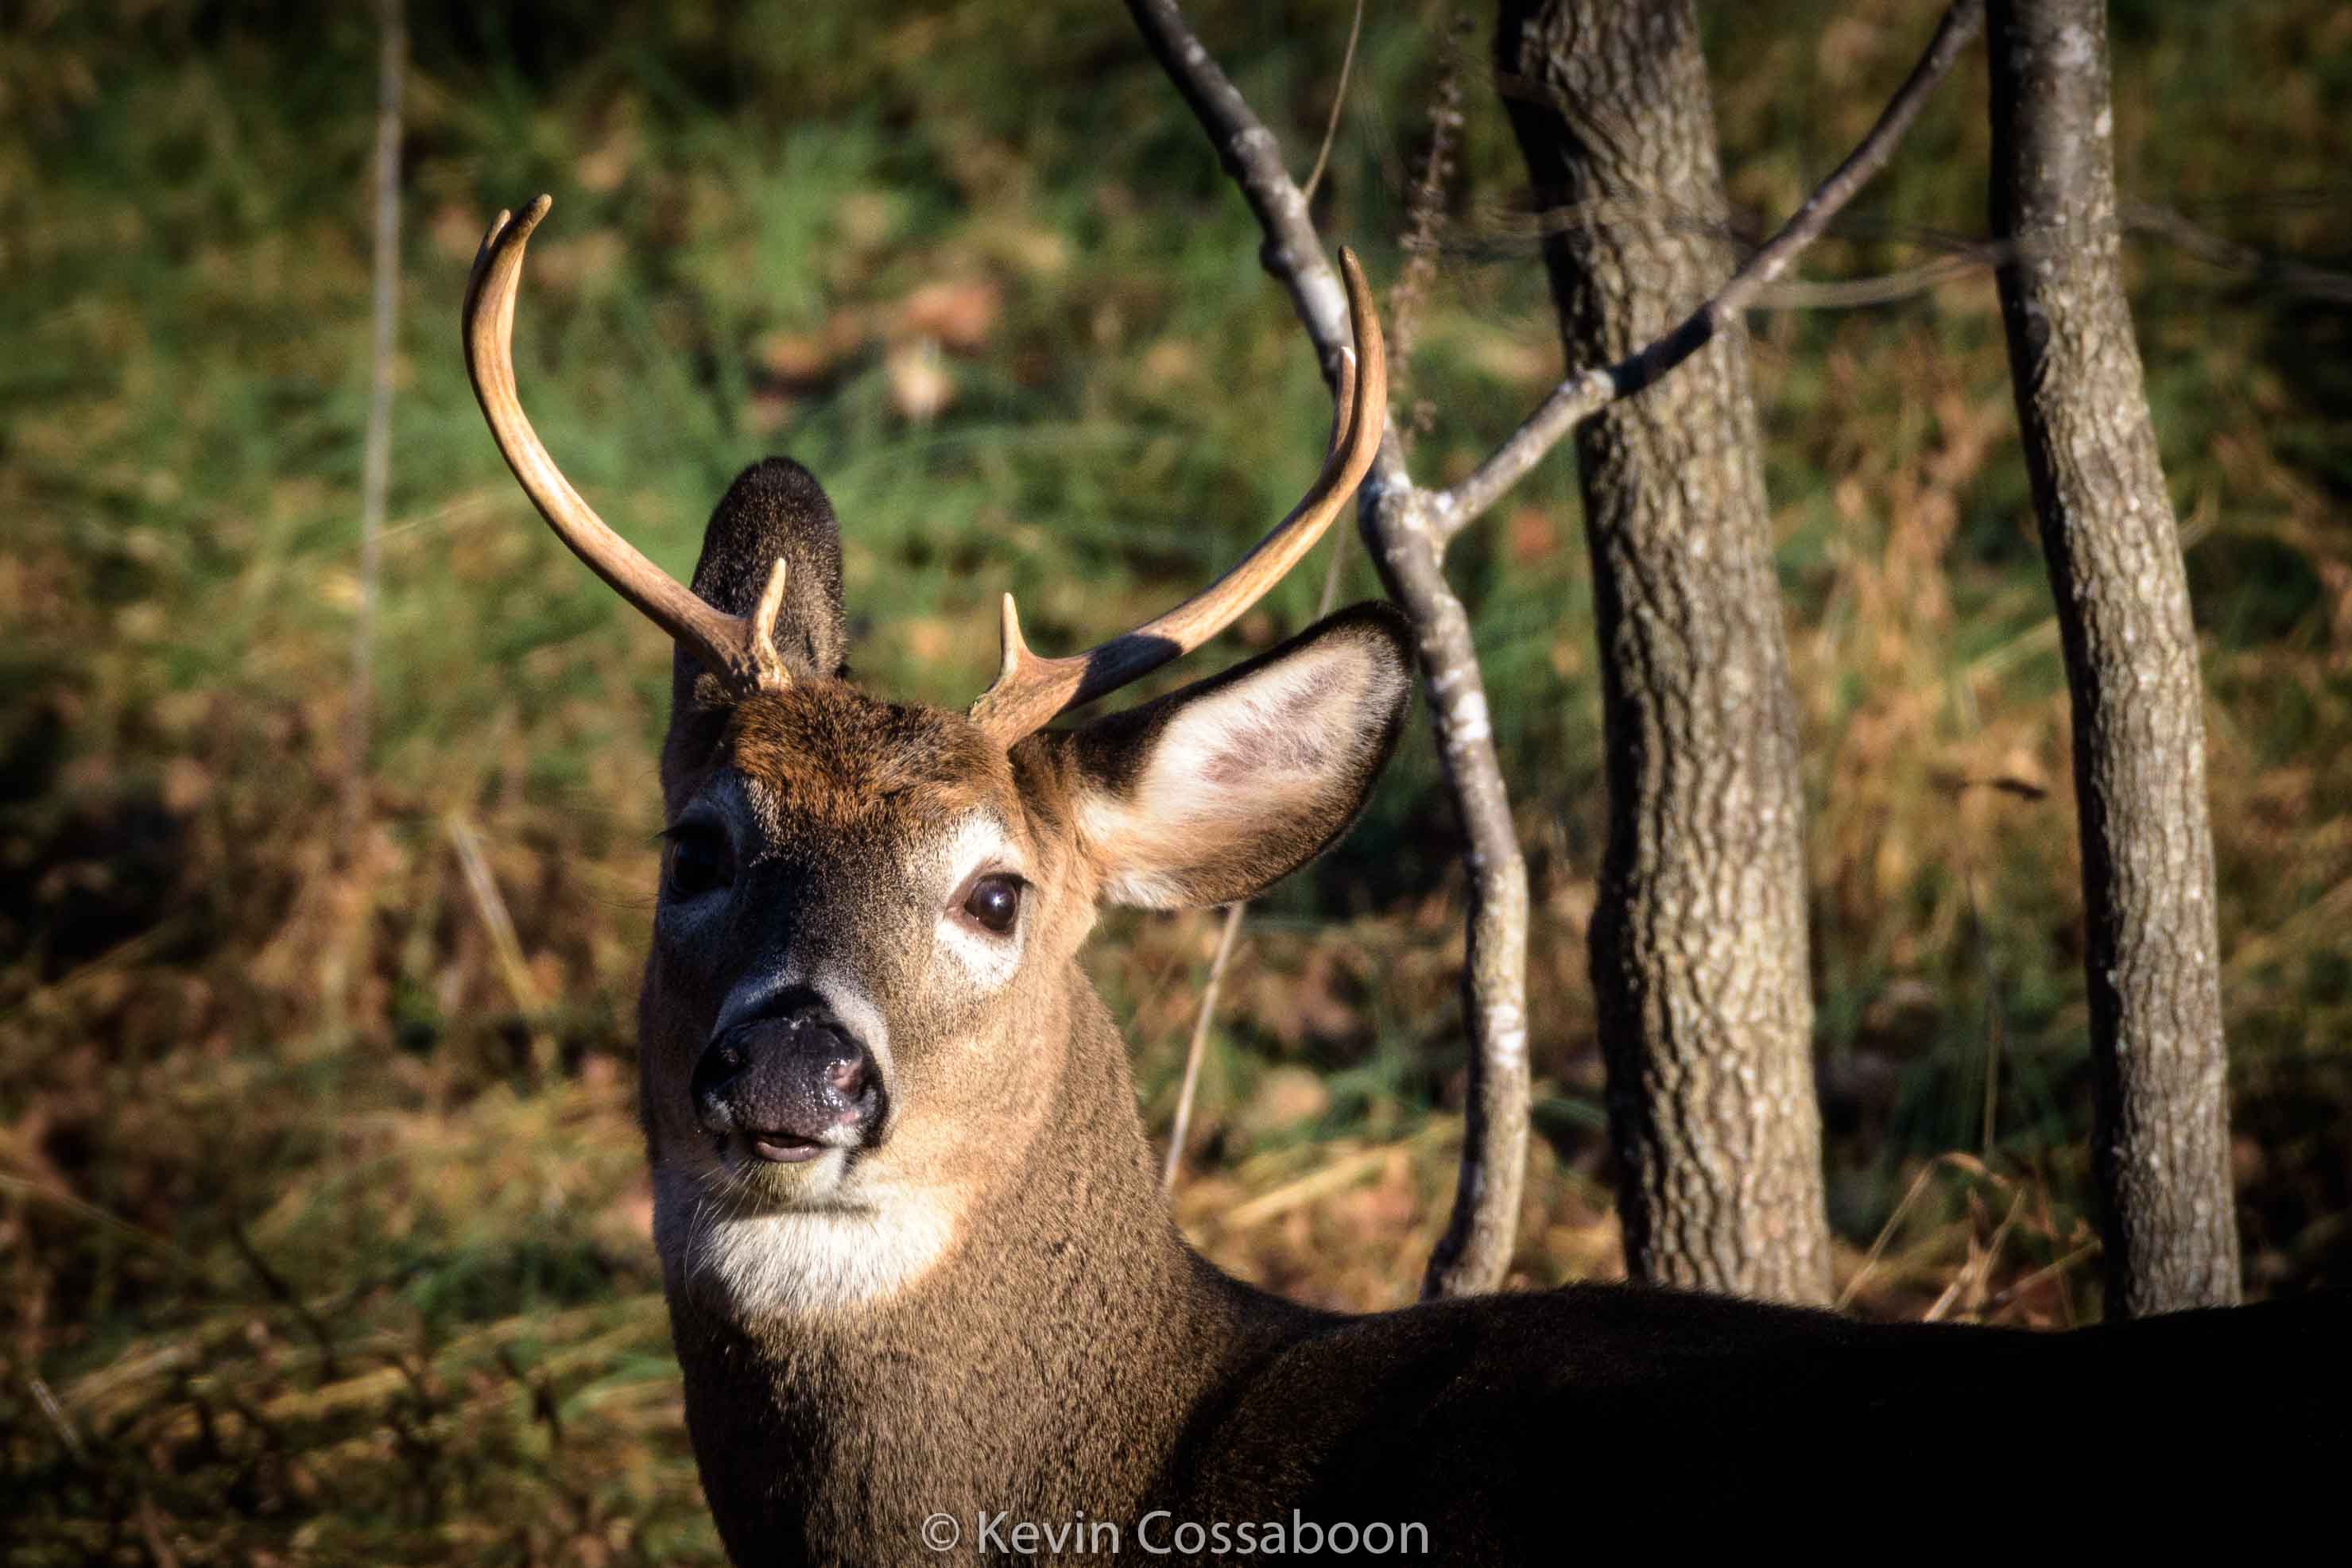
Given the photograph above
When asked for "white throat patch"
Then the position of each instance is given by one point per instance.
(794, 1261)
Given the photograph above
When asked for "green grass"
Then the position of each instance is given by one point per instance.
(322, 1235)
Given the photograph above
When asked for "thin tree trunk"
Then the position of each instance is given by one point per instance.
(2161, 1139)
(1699, 941)
(375, 461)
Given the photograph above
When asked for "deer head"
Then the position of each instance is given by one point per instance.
(861, 1000)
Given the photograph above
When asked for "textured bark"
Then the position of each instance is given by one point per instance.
(1698, 942)
(2161, 1137)
(1476, 1250)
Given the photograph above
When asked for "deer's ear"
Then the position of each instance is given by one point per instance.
(1216, 791)
(775, 510)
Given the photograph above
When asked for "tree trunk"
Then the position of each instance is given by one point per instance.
(1699, 941)
(2161, 1138)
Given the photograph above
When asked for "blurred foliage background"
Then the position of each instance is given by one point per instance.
(323, 1222)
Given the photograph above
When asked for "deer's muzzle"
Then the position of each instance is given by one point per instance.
(791, 1083)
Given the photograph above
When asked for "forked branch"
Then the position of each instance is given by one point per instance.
(1475, 1250)
(1407, 528)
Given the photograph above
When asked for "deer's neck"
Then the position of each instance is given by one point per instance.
(1046, 1367)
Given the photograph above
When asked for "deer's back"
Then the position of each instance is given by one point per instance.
(1514, 1427)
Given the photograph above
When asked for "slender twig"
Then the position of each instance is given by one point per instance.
(482, 885)
(151, 1527)
(1958, 255)
(1977, 1270)
(1194, 1053)
(1952, 256)
(1968, 1165)
(47, 1400)
(1880, 288)
(1339, 103)
(330, 1370)
(375, 463)
(1492, 233)
(1885, 1234)
(2293, 277)
(1580, 396)
(2051, 1271)
(36, 1193)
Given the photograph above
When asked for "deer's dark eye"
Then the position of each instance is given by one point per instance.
(993, 903)
(699, 862)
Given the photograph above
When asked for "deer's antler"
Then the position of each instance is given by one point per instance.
(739, 650)
(1030, 691)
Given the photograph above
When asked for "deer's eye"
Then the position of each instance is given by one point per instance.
(993, 903)
(700, 861)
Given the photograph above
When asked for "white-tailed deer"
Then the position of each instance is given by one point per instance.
(926, 1292)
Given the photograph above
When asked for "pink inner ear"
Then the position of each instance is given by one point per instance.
(1279, 737)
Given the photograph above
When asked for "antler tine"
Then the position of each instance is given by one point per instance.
(1030, 691)
(728, 647)
(1343, 402)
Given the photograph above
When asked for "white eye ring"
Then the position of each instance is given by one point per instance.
(979, 860)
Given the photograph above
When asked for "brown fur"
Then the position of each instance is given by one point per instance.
(1071, 1358)
(829, 758)
(1063, 1356)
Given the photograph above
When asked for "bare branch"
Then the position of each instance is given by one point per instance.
(1883, 288)
(1293, 252)
(1870, 155)
(1475, 1250)
(1579, 397)
(1338, 102)
(1957, 256)
(2293, 277)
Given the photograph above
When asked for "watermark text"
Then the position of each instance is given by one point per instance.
(1160, 1534)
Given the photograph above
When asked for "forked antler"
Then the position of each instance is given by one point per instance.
(739, 650)
(1030, 691)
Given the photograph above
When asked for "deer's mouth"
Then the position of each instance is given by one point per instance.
(783, 1149)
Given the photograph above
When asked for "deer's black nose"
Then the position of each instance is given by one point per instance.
(792, 1083)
